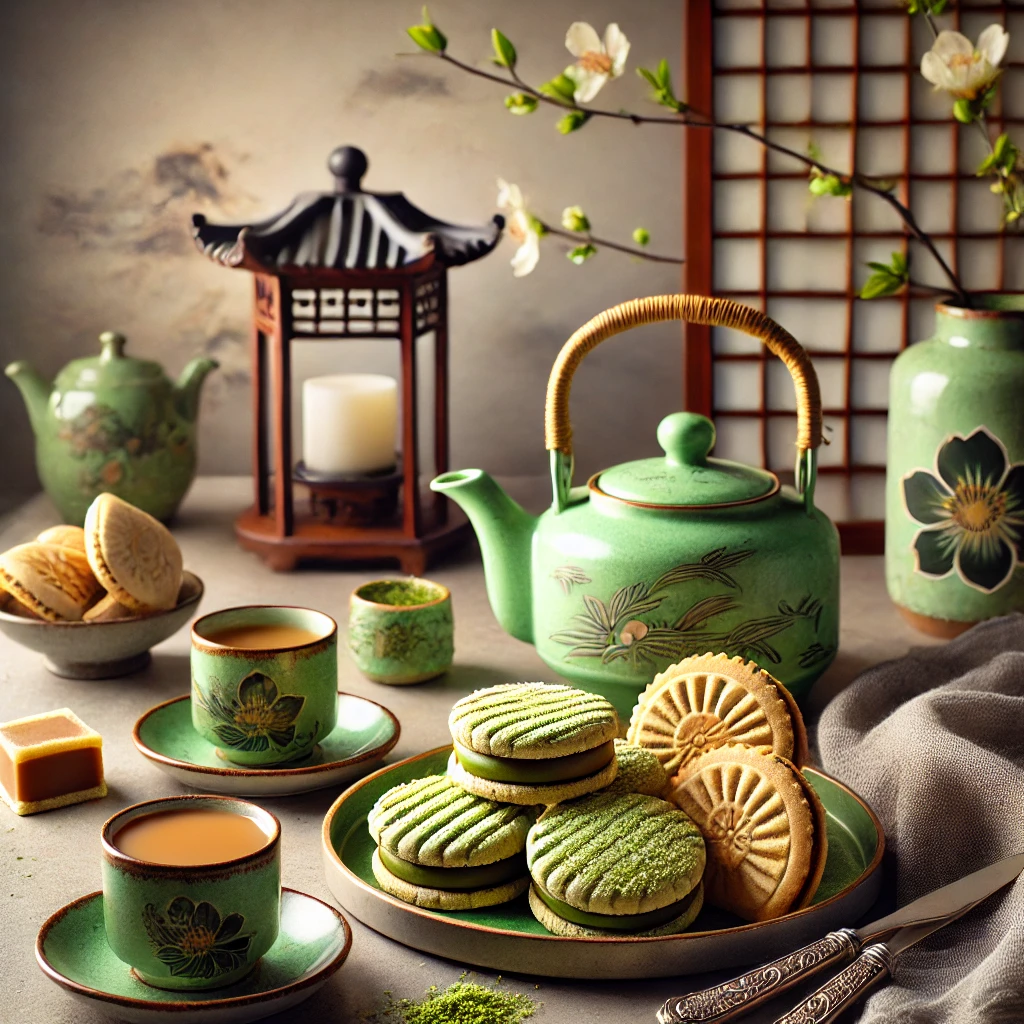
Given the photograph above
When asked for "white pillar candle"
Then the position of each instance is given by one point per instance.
(349, 423)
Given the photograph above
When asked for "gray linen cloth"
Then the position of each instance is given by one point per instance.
(934, 742)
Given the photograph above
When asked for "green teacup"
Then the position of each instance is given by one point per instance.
(400, 631)
(264, 682)
(189, 925)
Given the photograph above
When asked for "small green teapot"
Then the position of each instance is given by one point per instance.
(114, 423)
(662, 558)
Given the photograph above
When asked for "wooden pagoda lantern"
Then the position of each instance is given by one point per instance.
(347, 264)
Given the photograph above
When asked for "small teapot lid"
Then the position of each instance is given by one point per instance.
(686, 476)
(111, 367)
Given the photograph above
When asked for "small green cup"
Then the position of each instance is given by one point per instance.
(195, 927)
(400, 631)
(265, 705)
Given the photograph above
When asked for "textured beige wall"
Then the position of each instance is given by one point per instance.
(122, 117)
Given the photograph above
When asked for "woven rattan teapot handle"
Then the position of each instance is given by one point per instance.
(694, 309)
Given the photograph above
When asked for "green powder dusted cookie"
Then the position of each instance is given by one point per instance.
(640, 771)
(441, 847)
(613, 856)
(435, 822)
(530, 743)
(532, 721)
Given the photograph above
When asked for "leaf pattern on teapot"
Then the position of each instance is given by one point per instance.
(615, 630)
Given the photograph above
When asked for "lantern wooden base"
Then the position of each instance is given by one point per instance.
(315, 540)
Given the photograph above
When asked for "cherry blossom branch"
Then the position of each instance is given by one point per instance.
(586, 238)
(687, 118)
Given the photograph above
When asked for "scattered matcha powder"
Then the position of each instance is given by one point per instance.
(462, 1002)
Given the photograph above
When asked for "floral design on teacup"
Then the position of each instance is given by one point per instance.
(260, 716)
(194, 941)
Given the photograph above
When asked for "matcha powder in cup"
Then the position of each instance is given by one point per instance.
(462, 1002)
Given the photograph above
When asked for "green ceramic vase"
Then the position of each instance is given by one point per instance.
(114, 423)
(954, 515)
(400, 631)
(193, 927)
(265, 705)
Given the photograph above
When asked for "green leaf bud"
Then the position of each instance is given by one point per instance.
(574, 219)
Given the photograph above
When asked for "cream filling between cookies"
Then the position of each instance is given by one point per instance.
(616, 922)
(486, 876)
(535, 771)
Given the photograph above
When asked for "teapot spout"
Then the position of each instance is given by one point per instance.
(505, 531)
(186, 391)
(34, 390)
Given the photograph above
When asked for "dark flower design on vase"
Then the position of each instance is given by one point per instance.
(259, 718)
(193, 941)
(971, 510)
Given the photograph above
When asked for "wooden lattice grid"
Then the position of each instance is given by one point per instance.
(845, 76)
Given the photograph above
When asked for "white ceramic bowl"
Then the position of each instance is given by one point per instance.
(103, 650)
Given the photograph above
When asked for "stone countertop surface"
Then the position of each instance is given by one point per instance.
(49, 859)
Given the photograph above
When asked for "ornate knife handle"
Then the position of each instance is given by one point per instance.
(871, 967)
(736, 997)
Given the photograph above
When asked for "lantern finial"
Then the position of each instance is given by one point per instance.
(348, 165)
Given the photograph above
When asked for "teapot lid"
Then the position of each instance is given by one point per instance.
(686, 476)
(111, 367)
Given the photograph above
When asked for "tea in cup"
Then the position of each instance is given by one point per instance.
(264, 682)
(191, 889)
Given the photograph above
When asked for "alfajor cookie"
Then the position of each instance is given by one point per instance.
(708, 701)
(443, 848)
(64, 537)
(758, 827)
(639, 771)
(133, 555)
(615, 864)
(533, 743)
(53, 583)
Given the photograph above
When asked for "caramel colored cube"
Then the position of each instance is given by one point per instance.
(50, 760)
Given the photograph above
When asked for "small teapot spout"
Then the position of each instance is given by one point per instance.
(505, 531)
(186, 391)
(34, 390)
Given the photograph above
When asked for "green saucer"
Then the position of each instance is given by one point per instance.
(313, 943)
(365, 732)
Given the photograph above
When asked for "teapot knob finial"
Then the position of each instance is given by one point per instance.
(687, 438)
(112, 343)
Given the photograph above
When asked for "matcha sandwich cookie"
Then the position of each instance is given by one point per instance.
(533, 743)
(443, 848)
(615, 864)
(640, 771)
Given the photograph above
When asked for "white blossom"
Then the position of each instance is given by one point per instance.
(956, 66)
(522, 228)
(596, 60)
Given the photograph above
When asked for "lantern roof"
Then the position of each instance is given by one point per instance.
(345, 229)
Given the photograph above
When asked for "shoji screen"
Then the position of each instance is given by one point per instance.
(844, 78)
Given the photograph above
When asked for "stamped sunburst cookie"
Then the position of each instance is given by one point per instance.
(758, 827)
(709, 700)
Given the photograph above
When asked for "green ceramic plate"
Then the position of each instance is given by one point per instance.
(365, 732)
(508, 938)
(313, 943)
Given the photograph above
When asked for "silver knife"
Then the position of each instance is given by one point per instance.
(855, 981)
(937, 908)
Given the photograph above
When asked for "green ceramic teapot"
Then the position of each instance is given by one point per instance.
(661, 558)
(114, 423)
